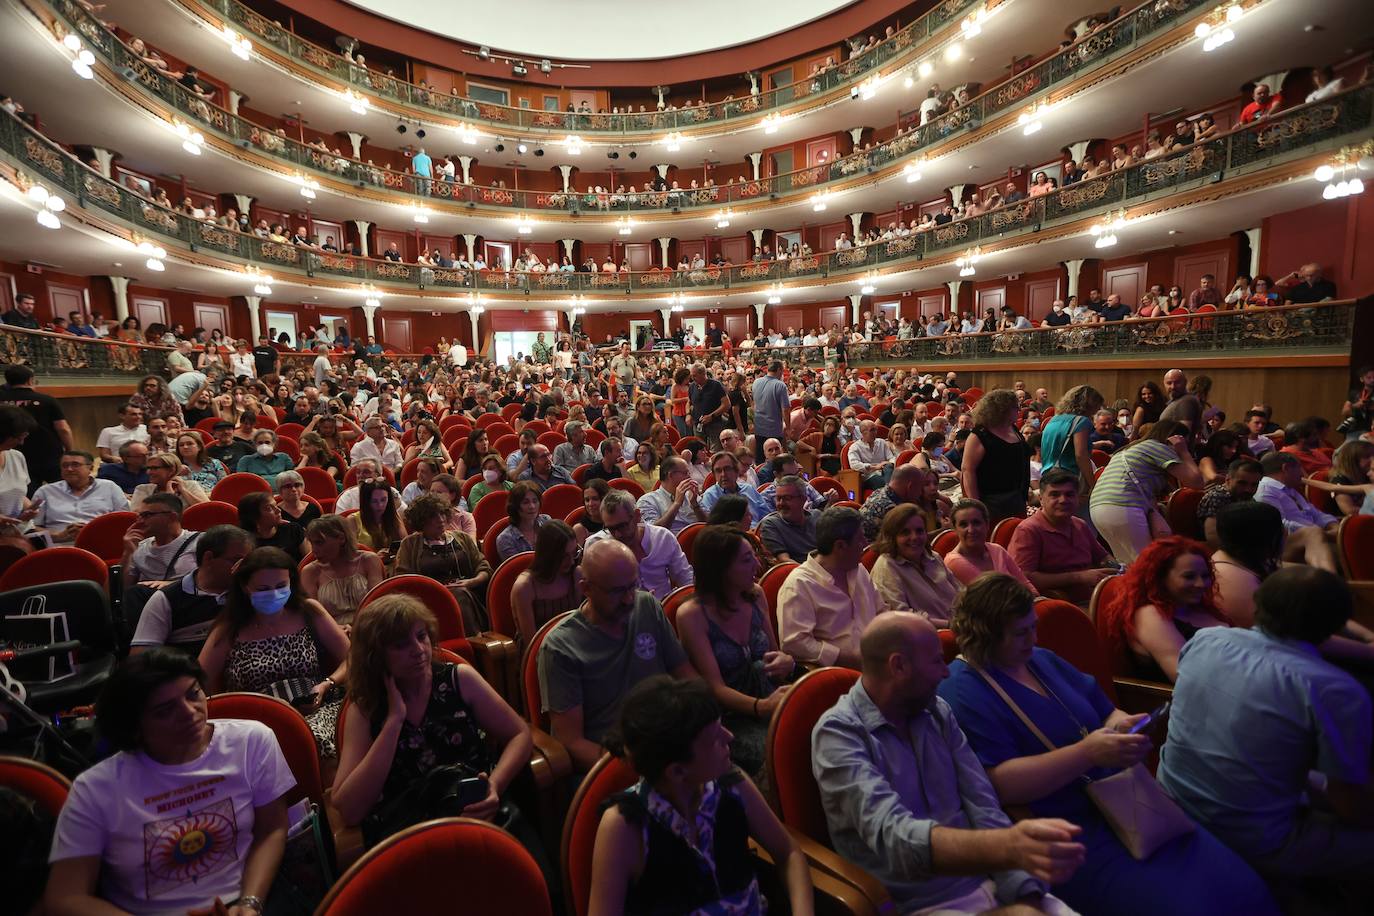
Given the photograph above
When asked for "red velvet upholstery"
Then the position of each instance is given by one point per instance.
(949, 647)
(453, 420)
(1180, 510)
(628, 485)
(40, 782)
(55, 564)
(409, 471)
(488, 511)
(560, 499)
(551, 440)
(499, 604)
(293, 734)
(1355, 541)
(206, 515)
(529, 674)
(1102, 596)
(236, 486)
(104, 535)
(1100, 458)
(787, 762)
(294, 430)
(1066, 631)
(869, 558)
(609, 776)
(504, 445)
(351, 477)
(451, 864)
(942, 542)
(1003, 530)
(771, 583)
(319, 484)
(538, 427)
(434, 596)
(687, 538)
(289, 447)
(676, 599)
(824, 485)
(576, 515)
(487, 420)
(489, 549)
(1322, 499)
(511, 411)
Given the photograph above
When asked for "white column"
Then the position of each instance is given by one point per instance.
(1073, 267)
(954, 295)
(753, 78)
(758, 239)
(1079, 150)
(363, 225)
(1254, 236)
(667, 316)
(760, 308)
(254, 317)
(855, 221)
(235, 98)
(662, 170)
(476, 319)
(663, 244)
(244, 201)
(956, 193)
(370, 313)
(855, 301)
(103, 160)
(470, 240)
(755, 160)
(120, 287)
(566, 171)
(568, 246)
(857, 135)
(466, 163)
(356, 139)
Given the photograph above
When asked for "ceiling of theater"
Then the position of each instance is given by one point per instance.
(607, 29)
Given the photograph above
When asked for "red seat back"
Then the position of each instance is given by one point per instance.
(676, 599)
(419, 869)
(1322, 499)
(294, 430)
(628, 485)
(489, 510)
(687, 538)
(771, 583)
(529, 672)
(824, 485)
(499, 587)
(104, 535)
(1066, 631)
(538, 427)
(206, 515)
(437, 598)
(488, 420)
(607, 776)
(1003, 530)
(787, 757)
(1355, 543)
(576, 515)
(293, 734)
(504, 445)
(319, 484)
(236, 486)
(551, 440)
(490, 550)
(560, 499)
(1103, 596)
(1181, 512)
(942, 542)
(869, 558)
(38, 781)
(55, 564)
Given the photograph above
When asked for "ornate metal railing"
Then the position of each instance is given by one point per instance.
(1324, 327)
(506, 118)
(1087, 54)
(1297, 132)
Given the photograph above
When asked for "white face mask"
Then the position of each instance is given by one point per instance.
(265, 449)
(491, 476)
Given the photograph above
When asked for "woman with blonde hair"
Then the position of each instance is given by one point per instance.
(340, 575)
(165, 475)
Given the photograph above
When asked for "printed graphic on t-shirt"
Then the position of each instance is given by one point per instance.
(186, 848)
(646, 647)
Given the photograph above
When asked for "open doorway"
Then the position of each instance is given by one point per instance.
(278, 323)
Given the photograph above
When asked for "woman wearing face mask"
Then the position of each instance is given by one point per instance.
(478, 446)
(267, 462)
(494, 479)
(270, 633)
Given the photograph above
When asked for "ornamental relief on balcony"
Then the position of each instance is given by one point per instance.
(1198, 159)
(904, 245)
(1017, 89)
(851, 257)
(334, 262)
(1007, 217)
(950, 232)
(655, 277)
(802, 265)
(1075, 339)
(1279, 325)
(42, 156)
(220, 238)
(391, 271)
(1010, 343)
(101, 190)
(756, 271)
(1083, 193)
(1314, 120)
(1163, 333)
(285, 254)
(156, 216)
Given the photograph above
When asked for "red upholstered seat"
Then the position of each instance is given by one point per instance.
(292, 731)
(289, 447)
(409, 471)
(687, 538)
(787, 760)
(824, 485)
(1003, 530)
(488, 420)
(538, 427)
(1355, 543)
(1066, 631)
(236, 486)
(1100, 458)
(942, 542)
(38, 781)
(608, 776)
(55, 564)
(1103, 594)
(1322, 499)
(551, 440)
(320, 485)
(560, 499)
(1180, 510)
(489, 548)
(104, 535)
(499, 587)
(676, 599)
(869, 558)
(529, 673)
(294, 430)
(454, 863)
(504, 445)
(949, 646)
(771, 583)
(576, 515)
(628, 485)
(206, 515)
(438, 599)
(489, 510)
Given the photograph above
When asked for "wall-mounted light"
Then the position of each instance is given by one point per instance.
(357, 102)
(308, 186)
(84, 59)
(912, 171)
(1336, 173)
(524, 225)
(966, 262)
(262, 283)
(1215, 35)
(626, 225)
(51, 205)
(466, 133)
(240, 46)
(818, 202)
(1105, 231)
(673, 142)
(573, 143)
(192, 140)
(1031, 119)
(925, 68)
(771, 122)
(420, 215)
(723, 219)
(775, 294)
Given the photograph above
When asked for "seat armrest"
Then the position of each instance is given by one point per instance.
(832, 864)
(832, 895)
(348, 841)
(497, 659)
(551, 760)
(1136, 696)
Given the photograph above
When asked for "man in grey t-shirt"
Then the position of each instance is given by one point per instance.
(1182, 406)
(772, 408)
(589, 662)
(790, 532)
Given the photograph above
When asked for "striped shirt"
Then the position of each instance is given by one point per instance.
(1135, 476)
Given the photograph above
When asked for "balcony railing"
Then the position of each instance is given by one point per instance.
(495, 117)
(1297, 132)
(1322, 328)
(1084, 56)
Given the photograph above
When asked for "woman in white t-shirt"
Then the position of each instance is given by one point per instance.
(15, 426)
(189, 811)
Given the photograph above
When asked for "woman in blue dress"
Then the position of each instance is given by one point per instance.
(995, 621)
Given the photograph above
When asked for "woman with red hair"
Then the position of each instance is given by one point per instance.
(1167, 595)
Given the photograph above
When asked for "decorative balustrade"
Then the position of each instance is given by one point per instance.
(1087, 54)
(1297, 132)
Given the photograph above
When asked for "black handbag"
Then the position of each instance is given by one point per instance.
(442, 792)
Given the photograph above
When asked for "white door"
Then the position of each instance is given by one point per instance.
(279, 323)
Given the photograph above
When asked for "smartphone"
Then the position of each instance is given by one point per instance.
(470, 791)
(851, 494)
(1158, 713)
(395, 547)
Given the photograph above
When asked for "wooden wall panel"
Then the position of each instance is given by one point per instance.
(833, 315)
(640, 255)
(992, 298)
(737, 327)
(1040, 296)
(929, 305)
(737, 250)
(1188, 271)
(1129, 282)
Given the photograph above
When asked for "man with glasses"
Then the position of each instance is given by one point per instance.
(181, 613)
(591, 660)
(131, 470)
(377, 446)
(164, 477)
(662, 564)
(725, 468)
(676, 503)
(790, 532)
(66, 506)
(156, 547)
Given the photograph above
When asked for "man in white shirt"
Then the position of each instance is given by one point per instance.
(826, 602)
(677, 502)
(615, 430)
(1255, 421)
(662, 564)
(458, 355)
(872, 457)
(130, 429)
(321, 365)
(377, 445)
(368, 469)
(66, 506)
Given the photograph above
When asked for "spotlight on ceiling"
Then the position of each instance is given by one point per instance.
(500, 147)
(546, 66)
(484, 52)
(522, 148)
(420, 133)
(518, 68)
(634, 155)
(613, 155)
(401, 128)
(539, 152)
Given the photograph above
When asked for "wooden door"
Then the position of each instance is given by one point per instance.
(443, 242)
(833, 314)
(6, 292)
(737, 327)
(929, 305)
(65, 299)
(736, 250)
(149, 310)
(396, 334)
(640, 255)
(1127, 281)
(785, 318)
(886, 310)
(383, 239)
(820, 152)
(1188, 271)
(497, 254)
(1040, 296)
(994, 298)
(211, 317)
(325, 230)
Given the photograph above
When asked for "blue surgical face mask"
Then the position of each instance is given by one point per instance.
(270, 601)
(1035, 422)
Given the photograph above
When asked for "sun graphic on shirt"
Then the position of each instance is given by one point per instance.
(188, 847)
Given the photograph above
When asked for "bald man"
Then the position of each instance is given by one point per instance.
(906, 798)
(1182, 406)
(589, 662)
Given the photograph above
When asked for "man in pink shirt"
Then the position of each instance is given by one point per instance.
(1058, 552)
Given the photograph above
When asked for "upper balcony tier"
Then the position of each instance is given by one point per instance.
(1137, 39)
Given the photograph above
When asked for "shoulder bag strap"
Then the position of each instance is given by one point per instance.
(171, 564)
(1020, 714)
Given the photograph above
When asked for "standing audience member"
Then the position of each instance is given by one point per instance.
(995, 468)
(1124, 507)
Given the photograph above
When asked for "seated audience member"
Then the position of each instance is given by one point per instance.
(553, 582)
(724, 629)
(450, 489)
(269, 632)
(1256, 441)
(644, 470)
(260, 515)
(164, 474)
(1001, 676)
(592, 494)
(266, 462)
(426, 469)
(1217, 453)
(340, 575)
(131, 470)
(786, 465)
(662, 564)
(154, 714)
(1350, 467)
(1310, 529)
(677, 501)
(409, 713)
(1106, 435)
(227, 448)
(828, 600)
(589, 662)
(377, 523)
(904, 487)
(907, 800)
(675, 737)
(378, 445)
(1166, 596)
(66, 505)
(726, 468)
(1056, 549)
(789, 533)
(292, 500)
(181, 613)
(575, 452)
(1242, 762)
(157, 550)
(367, 469)
(908, 574)
(542, 472)
(607, 466)
(522, 512)
(1305, 443)
(974, 554)
(1239, 485)
(872, 457)
(1123, 501)
(449, 557)
(494, 480)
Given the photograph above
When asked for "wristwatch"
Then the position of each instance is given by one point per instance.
(250, 901)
